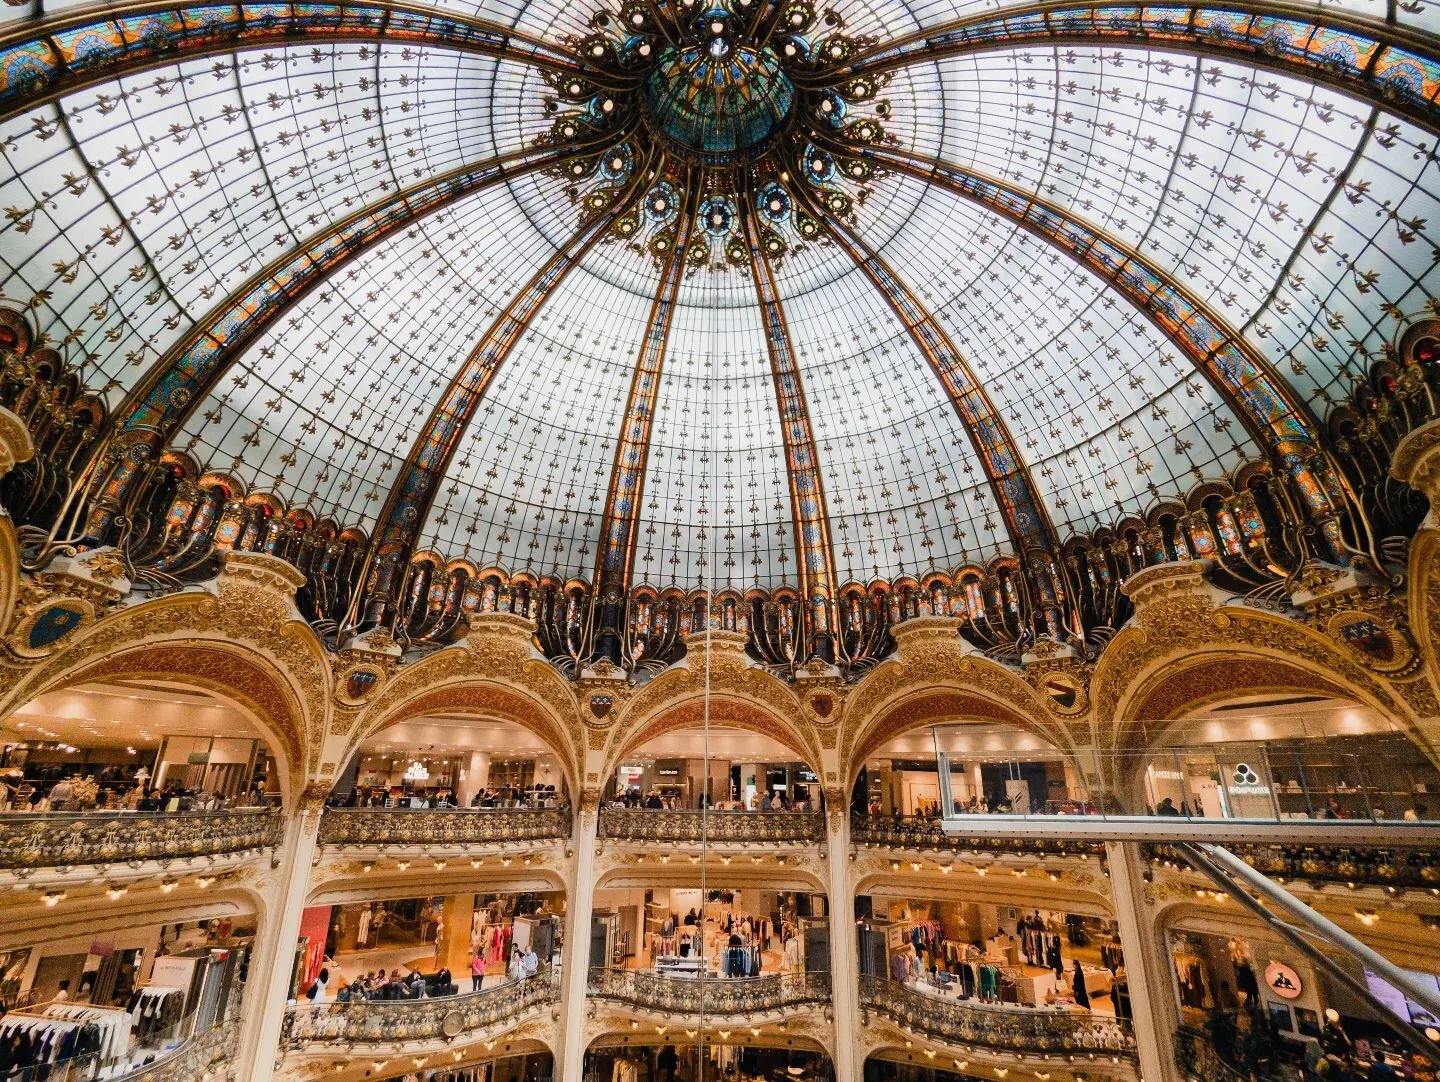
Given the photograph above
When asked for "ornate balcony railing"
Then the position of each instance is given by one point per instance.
(1198, 1060)
(717, 997)
(385, 1021)
(442, 827)
(67, 839)
(913, 832)
(193, 1061)
(1416, 866)
(656, 825)
(1007, 1029)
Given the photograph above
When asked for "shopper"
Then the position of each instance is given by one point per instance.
(1077, 983)
(477, 971)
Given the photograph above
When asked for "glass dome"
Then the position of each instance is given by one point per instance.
(976, 284)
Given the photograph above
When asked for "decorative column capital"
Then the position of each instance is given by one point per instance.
(916, 633)
(15, 445)
(261, 569)
(1417, 462)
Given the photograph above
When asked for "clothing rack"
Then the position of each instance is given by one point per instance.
(112, 1022)
(156, 1010)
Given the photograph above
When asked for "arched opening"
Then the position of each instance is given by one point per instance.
(1285, 756)
(149, 972)
(390, 944)
(138, 744)
(455, 759)
(959, 766)
(724, 767)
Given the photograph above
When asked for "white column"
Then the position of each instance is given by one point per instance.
(576, 963)
(844, 964)
(271, 959)
(1147, 966)
(477, 777)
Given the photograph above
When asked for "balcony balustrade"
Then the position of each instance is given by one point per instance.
(646, 825)
(442, 828)
(915, 832)
(1417, 867)
(997, 1027)
(1198, 1060)
(203, 1056)
(440, 1018)
(68, 839)
(715, 998)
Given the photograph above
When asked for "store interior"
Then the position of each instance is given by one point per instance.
(1292, 1000)
(112, 1002)
(445, 760)
(694, 1062)
(1300, 757)
(745, 768)
(365, 941)
(993, 767)
(134, 740)
(687, 931)
(1006, 957)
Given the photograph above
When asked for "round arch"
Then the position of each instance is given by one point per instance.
(1182, 684)
(726, 709)
(480, 698)
(934, 705)
(242, 678)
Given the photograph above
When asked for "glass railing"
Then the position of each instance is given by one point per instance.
(715, 997)
(374, 1021)
(661, 825)
(65, 839)
(998, 1027)
(442, 827)
(1251, 780)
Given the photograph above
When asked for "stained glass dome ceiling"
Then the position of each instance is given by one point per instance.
(890, 376)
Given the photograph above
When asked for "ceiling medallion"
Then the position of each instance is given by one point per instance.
(722, 127)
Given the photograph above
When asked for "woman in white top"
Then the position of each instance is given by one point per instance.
(517, 965)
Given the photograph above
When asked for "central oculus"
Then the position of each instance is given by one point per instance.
(717, 97)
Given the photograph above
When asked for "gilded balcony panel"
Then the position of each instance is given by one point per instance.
(1399, 867)
(652, 826)
(442, 828)
(722, 997)
(202, 1057)
(65, 839)
(323, 1027)
(1198, 1060)
(913, 833)
(999, 1028)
